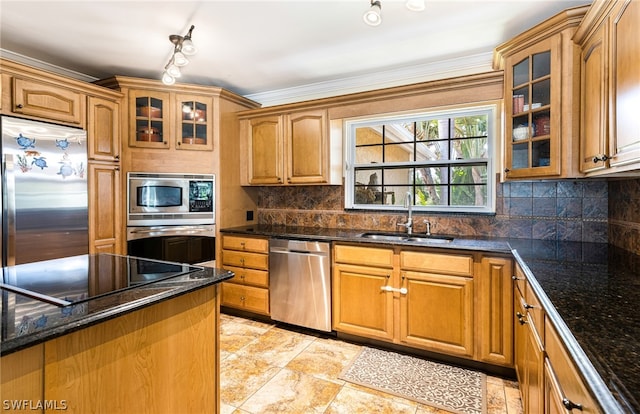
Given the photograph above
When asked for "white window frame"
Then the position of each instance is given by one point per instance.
(351, 124)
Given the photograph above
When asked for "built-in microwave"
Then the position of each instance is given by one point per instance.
(158, 199)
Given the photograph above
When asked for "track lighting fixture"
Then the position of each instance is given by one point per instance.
(182, 47)
(372, 17)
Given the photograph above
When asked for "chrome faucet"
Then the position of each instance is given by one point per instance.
(408, 204)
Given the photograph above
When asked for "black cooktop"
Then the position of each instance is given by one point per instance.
(81, 278)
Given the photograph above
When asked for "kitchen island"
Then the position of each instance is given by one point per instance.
(588, 291)
(109, 333)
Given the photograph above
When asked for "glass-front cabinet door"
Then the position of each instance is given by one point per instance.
(150, 127)
(532, 113)
(194, 123)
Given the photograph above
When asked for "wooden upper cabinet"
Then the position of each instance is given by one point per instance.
(103, 129)
(194, 122)
(307, 141)
(610, 51)
(149, 115)
(625, 78)
(541, 90)
(265, 150)
(46, 100)
(593, 102)
(289, 148)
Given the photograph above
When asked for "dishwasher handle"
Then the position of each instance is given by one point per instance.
(284, 250)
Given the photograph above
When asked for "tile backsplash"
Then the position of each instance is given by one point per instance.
(568, 210)
(624, 214)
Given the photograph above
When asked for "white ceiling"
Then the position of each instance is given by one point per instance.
(272, 51)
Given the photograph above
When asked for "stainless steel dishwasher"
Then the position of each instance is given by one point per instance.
(300, 283)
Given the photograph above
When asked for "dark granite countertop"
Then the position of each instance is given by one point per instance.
(589, 291)
(63, 295)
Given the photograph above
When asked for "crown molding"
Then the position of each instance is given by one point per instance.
(468, 65)
(39, 64)
(462, 66)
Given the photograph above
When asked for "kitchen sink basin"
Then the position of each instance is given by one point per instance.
(421, 238)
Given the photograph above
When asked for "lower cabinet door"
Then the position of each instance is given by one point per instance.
(436, 313)
(360, 306)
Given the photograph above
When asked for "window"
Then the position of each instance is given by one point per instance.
(443, 159)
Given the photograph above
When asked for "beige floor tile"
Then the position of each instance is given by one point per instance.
(513, 400)
(351, 401)
(240, 377)
(235, 335)
(427, 409)
(325, 359)
(496, 402)
(292, 392)
(277, 346)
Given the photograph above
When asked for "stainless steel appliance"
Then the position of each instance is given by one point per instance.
(300, 283)
(172, 217)
(44, 191)
(160, 199)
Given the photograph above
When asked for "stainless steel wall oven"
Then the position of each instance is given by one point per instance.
(171, 217)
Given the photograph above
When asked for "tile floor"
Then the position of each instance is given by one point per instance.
(268, 369)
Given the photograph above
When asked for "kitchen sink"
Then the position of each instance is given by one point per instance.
(421, 238)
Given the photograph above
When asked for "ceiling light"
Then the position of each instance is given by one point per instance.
(372, 17)
(182, 45)
(168, 79)
(415, 5)
(173, 70)
(179, 59)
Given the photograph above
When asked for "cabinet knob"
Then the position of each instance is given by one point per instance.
(569, 405)
(19, 106)
(506, 170)
(117, 158)
(528, 306)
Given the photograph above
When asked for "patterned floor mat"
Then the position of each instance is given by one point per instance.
(439, 385)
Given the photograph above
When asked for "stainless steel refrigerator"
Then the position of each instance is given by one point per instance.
(44, 191)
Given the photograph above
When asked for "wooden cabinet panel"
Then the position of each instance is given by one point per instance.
(437, 313)
(130, 363)
(593, 108)
(367, 256)
(360, 306)
(248, 258)
(569, 383)
(149, 118)
(243, 259)
(247, 298)
(450, 264)
(495, 311)
(265, 150)
(625, 78)
(244, 276)
(103, 129)
(48, 101)
(307, 142)
(247, 244)
(104, 208)
(22, 377)
(194, 122)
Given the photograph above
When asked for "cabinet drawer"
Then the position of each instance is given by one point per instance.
(247, 298)
(569, 382)
(48, 101)
(259, 278)
(451, 264)
(247, 244)
(520, 278)
(368, 256)
(534, 311)
(244, 259)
